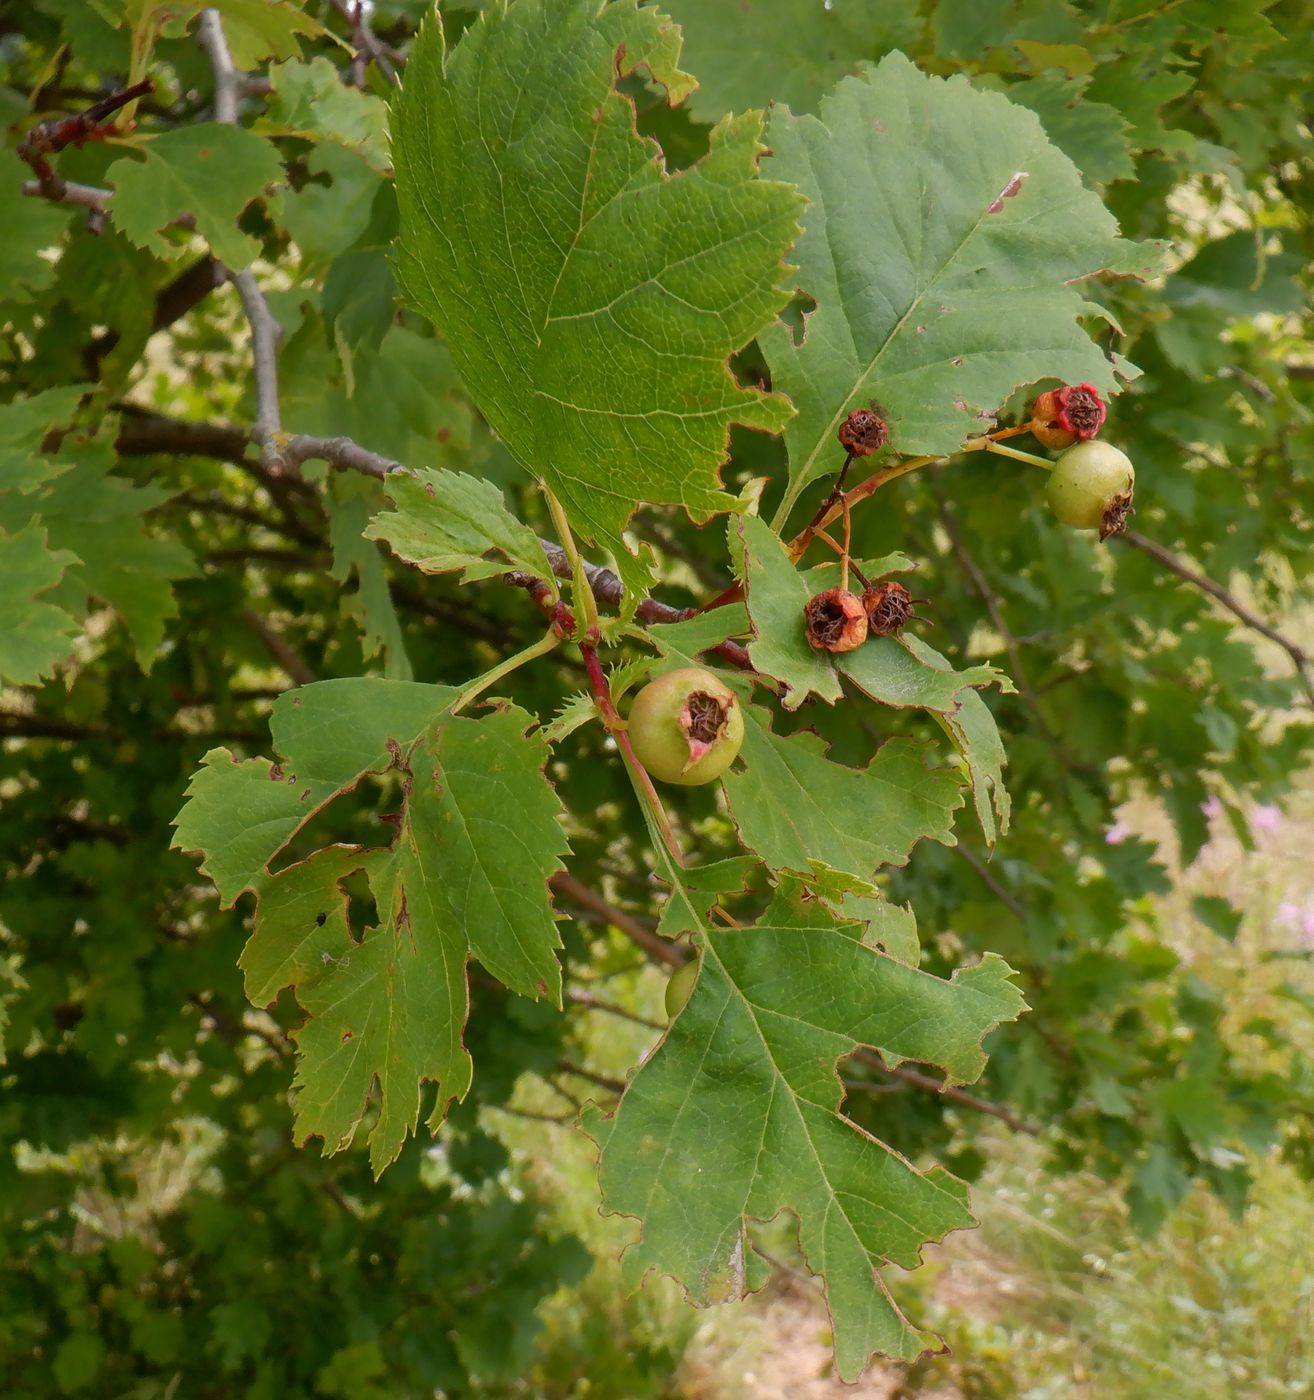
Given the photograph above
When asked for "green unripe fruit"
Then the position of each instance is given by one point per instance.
(1090, 487)
(679, 988)
(686, 727)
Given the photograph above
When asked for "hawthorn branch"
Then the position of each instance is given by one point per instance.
(368, 43)
(48, 138)
(278, 647)
(932, 1085)
(266, 333)
(658, 949)
(1299, 657)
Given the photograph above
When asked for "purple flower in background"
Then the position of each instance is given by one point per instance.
(1267, 818)
(1212, 809)
(1299, 919)
(1117, 834)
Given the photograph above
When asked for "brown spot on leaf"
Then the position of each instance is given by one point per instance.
(1007, 192)
(275, 773)
(346, 1036)
(444, 434)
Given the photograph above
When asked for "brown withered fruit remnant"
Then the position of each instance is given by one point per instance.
(863, 432)
(888, 607)
(1074, 413)
(1114, 521)
(836, 621)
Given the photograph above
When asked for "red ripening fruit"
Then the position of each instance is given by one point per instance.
(863, 432)
(836, 620)
(686, 727)
(1074, 413)
(888, 606)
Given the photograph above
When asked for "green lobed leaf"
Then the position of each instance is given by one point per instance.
(589, 299)
(793, 805)
(735, 1118)
(29, 228)
(34, 636)
(310, 100)
(239, 815)
(99, 517)
(1093, 135)
(211, 170)
(447, 522)
(904, 672)
(944, 235)
(24, 423)
(797, 49)
(479, 837)
(259, 29)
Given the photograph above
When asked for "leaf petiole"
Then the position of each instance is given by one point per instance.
(504, 668)
(587, 603)
(1015, 453)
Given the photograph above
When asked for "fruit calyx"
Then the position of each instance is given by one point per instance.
(888, 606)
(1074, 413)
(836, 621)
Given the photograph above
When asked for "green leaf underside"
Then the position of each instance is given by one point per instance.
(776, 596)
(446, 522)
(479, 837)
(350, 500)
(793, 805)
(905, 673)
(590, 301)
(976, 736)
(734, 1118)
(210, 170)
(942, 237)
(34, 636)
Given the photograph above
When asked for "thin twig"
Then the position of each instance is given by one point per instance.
(948, 1091)
(603, 1081)
(50, 137)
(368, 42)
(278, 647)
(266, 333)
(1299, 658)
(587, 999)
(1010, 901)
(656, 948)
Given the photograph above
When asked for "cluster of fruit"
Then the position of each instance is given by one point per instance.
(686, 727)
(1092, 482)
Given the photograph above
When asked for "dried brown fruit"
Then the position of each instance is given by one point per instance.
(863, 432)
(1114, 519)
(1074, 413)
(836, 620)
(888, 605)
